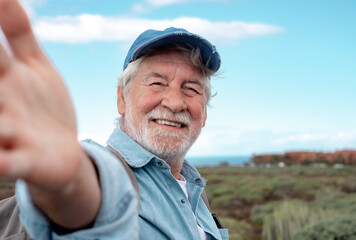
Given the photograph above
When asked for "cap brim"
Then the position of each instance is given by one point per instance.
(210, 56)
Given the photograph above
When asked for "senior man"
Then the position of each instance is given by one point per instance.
(72, 190)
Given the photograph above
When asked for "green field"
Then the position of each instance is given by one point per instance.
(296, 202)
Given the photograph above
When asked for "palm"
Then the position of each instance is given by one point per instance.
(37, 119)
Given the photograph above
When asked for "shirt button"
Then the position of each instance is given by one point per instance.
(198, 180)
(182, 201)
(160, 164)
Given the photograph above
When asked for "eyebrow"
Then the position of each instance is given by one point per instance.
(154, 75)
(159, 75)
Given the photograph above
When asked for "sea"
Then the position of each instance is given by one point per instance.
(212, 161)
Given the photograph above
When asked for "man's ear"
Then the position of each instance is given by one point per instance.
(121, 106)
(205, 117)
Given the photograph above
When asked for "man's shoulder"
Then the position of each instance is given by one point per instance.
(91, 142)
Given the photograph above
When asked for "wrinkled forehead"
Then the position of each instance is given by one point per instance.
(162, 57)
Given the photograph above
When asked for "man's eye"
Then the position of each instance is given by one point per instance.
(189, 91)
(194, 90)
(156, 83)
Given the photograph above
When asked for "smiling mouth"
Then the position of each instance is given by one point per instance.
(169, 123)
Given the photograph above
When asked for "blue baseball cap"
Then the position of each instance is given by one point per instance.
(154, 39)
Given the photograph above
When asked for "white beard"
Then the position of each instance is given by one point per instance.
(167, 145)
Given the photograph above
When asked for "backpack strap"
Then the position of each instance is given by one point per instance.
(205, 199)
(130, 172)
(214, 215)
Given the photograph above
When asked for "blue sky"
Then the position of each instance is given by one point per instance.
(288, 75)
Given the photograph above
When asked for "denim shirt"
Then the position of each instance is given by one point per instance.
(117, 217)
(165, 212)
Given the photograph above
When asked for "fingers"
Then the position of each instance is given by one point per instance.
(17, 29)
(4, 164)
(13, 165)
(13, 161)
(7, 141)
(4, 60)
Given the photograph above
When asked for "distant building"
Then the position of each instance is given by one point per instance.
(346, 157)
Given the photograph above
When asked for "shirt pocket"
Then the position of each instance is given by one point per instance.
(224, 233)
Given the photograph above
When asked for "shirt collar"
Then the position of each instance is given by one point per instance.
(135, 155)
(191, 174)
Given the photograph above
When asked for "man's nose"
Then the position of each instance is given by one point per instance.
(174, 100)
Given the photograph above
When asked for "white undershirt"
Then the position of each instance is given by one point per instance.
(182, 183)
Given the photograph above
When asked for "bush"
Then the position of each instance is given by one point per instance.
(283, 187)
(337, 228)
(238, 230)
(349, 186)
(220, 190)
(261, 212)
(254, 191)
(222, 202)
(233, 191)
(290, 217)
(341, 202)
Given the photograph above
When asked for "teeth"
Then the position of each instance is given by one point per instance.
(168, 123)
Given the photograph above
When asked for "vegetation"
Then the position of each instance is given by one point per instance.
(291, 203)
(295, 202)
(337, 228)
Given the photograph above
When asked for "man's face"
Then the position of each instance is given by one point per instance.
(165, 107)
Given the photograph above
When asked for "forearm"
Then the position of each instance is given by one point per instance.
(117, 217)
(75, 205)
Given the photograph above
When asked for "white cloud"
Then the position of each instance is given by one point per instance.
(346, 136)
(150, 5)
(139, 8)
(234, 141)
(159, 3)
(336, 139)
(88, 28)
(300, 138)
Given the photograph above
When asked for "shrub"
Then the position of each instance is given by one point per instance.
(283, 187)
(222, 202)
(238, 230)
(219, 190)
(306, 188)
(289, 218)
(349, 185)
(337, 228)
(260, 212)
(341, 202)
(255, 191)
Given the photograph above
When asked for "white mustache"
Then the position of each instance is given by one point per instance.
(181, 117)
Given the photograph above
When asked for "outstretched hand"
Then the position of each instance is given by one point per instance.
(38, 134)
